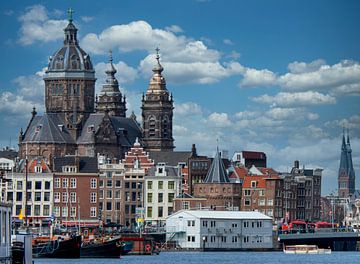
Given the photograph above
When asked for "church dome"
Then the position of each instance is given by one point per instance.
(70, 57)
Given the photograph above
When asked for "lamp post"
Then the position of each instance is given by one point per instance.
(204, 240)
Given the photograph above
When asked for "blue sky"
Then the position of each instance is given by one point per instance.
(281, 77)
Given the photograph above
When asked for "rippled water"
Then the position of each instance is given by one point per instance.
(220, 257)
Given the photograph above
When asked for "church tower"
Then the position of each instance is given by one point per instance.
(110, 98)
(70, 82)
(157, 113)
(346, 177)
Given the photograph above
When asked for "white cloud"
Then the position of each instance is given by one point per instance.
(353, 122)
(302, 67)
(228, 42)
(253, 77)
(36, 26)
(87, 19)
(218, 120)
(234, 55)
(174, 29)
(296, 99)
(290, 113)
(188, 108)
(9, 12)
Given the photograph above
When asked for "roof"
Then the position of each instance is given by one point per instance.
(86, 164)
(8, 153)
(253, 155)
(224, 214)
(170, 171)
(48, 128)
(217, 172)
(171, 158)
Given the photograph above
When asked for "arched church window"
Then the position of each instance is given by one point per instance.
(59, 62)
(152, 124)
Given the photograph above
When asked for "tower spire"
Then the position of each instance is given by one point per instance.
(70, 14)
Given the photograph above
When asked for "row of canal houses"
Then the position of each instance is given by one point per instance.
(145, 188)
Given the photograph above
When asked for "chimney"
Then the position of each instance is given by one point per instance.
(296, 164)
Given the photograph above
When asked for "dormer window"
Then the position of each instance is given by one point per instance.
(61, 127)
(253, 184)
(38, 169)
(91, 129)
(38, 128)
(71, 169)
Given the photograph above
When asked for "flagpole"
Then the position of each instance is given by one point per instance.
(26, 185)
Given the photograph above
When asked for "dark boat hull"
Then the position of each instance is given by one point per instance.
(107, 249)
(58, 248)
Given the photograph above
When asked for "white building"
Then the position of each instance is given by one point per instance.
(6, 164)
(5, 232)
(220, 230)
(162, 185)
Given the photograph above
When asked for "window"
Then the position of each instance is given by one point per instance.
(246, 239)
(93, 183)
(204, 223)
(64, 211)
(261, 192)
(133, 185)
(73, 183)
(234, 239)
(19, 196)
(38, 197)
(93, 197)
(149, 197)
(57, 183)
(246, 224)
(64, 183)
(73, 197)
(117, 184)
(56, 211)
(191, 238)
(149, 212)
(46, 210)
(117, 194)
(37, 210)
(118, 206)
(109, 183)
(247, 192)
(73, 211)
(92, 211)
(101, 183)
(29, 184)
(247, 202)
(64, 197)
(38, 185)
(160, 185)
(57, 197)
(269, 212)
(171, 185)
(149, 185)
(160, 197)
(191, 222)
(19, 185)
(262, 201)
(109, 194)
(47, 185)
(171, 197)
(185, 205)
(270, 202)
(170, 210)
(127, 185)
(253, 184)
(108, 206)
(212, 223)
(160, 211)
(101, 194)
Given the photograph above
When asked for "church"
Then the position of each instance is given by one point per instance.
(78, 122)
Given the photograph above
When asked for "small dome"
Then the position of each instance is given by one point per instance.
(70, 57)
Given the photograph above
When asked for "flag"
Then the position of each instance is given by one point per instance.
(21, 215)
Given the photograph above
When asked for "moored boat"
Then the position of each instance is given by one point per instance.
(102, 248)
(57, 247)
(305, 249)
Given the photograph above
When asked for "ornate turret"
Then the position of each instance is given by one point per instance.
(70, 82)
(346, 176)
(110, 96)
(217, 172)
(157, 112)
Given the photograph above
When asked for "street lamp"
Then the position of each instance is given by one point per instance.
(204, 240)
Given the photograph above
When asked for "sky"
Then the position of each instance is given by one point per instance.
(281, 76)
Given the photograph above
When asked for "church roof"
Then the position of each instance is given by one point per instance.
(217, 172)
(127, 129)
(85, 164)
(346, 165)
(48, 128)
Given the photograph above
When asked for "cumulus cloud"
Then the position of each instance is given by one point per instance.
(219, 120)
(253, 77)
(188, 108)
(174, 29)
(36, 26)
(290, 113)
(228, 42)
(296, 98)
(302, 67)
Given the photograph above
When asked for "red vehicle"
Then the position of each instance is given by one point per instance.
(297, 226)
(322, 226)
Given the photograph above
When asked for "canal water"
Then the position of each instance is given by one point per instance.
(219, 257)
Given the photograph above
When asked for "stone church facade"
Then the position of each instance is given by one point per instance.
(78, 122)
